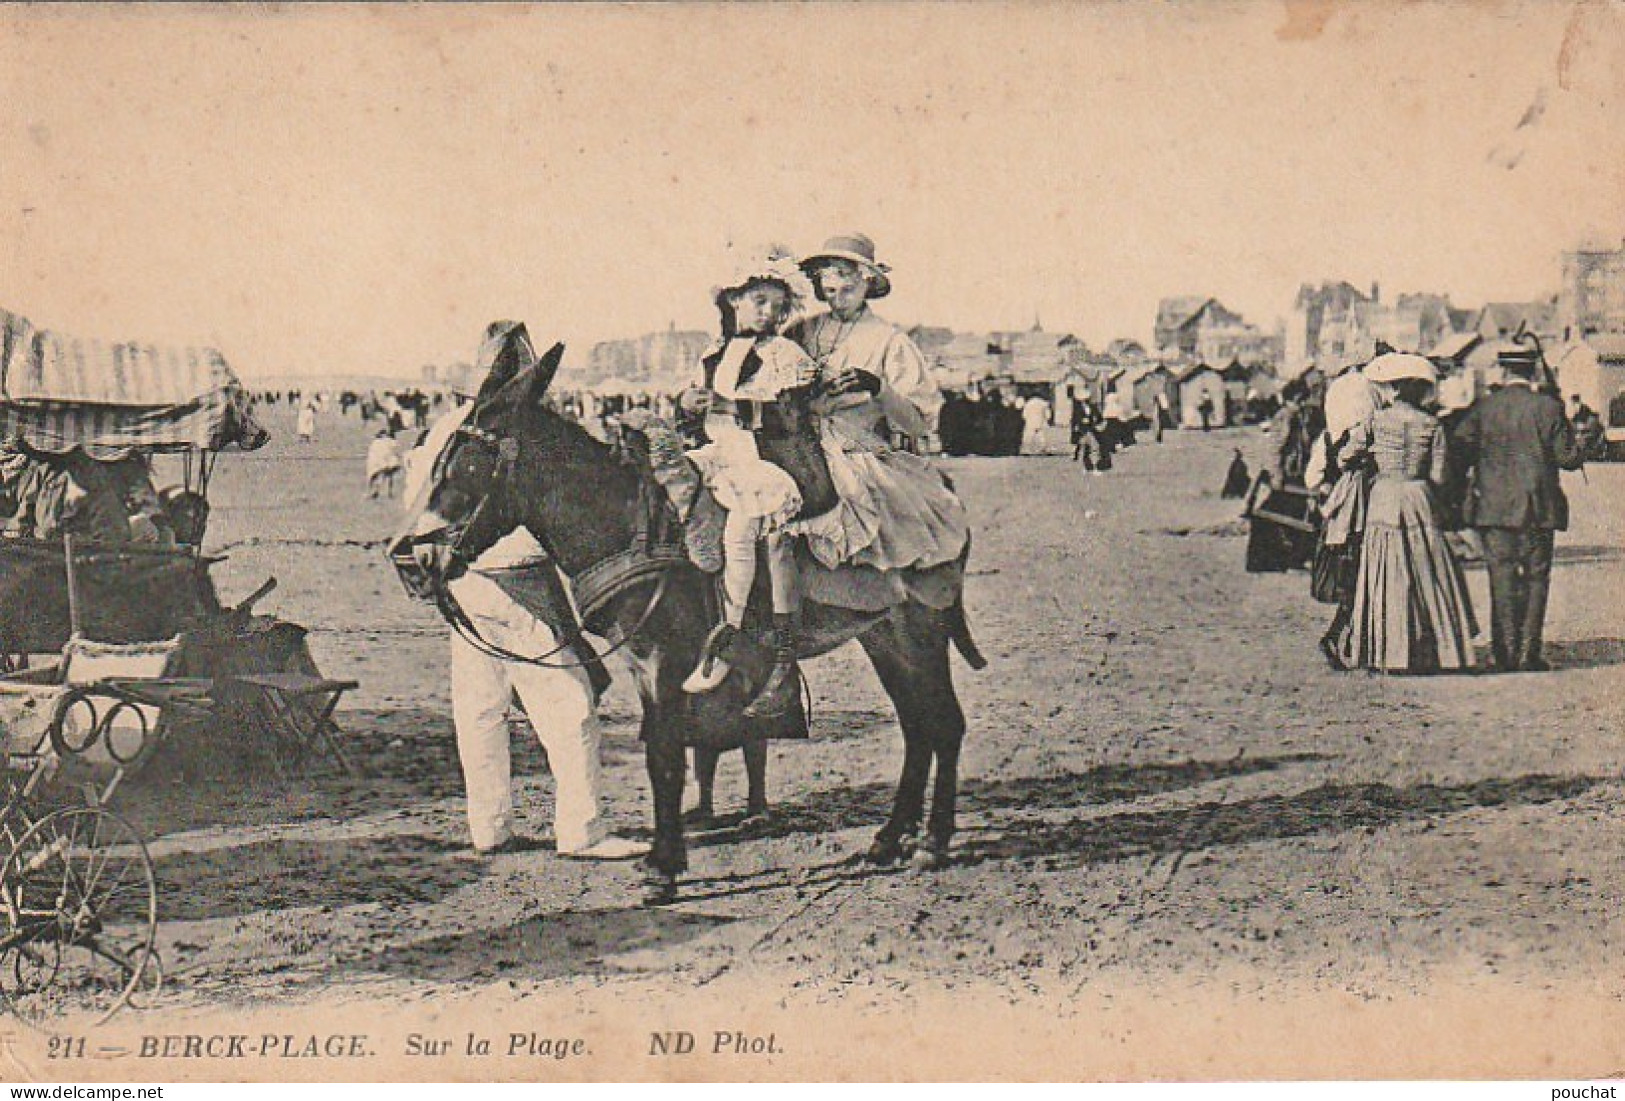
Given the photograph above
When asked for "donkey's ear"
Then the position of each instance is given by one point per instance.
(542, 374)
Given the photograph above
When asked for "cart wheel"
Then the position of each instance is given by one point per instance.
(81, 907)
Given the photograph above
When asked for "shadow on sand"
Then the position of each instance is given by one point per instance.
(1328, 809)
(545, 946)
(1588, 653)
(867, 805)
(236, 880)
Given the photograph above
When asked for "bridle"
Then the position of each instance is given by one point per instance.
(594, 586)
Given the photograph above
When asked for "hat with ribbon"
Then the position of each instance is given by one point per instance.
(765, 264)
(857, 249)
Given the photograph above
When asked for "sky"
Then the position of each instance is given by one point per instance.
(346, 190)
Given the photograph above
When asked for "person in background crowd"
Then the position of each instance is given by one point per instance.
(1589, 433)
(305, 426)
(1300, 422)
(1035, 414)
(1085, 428)
(1515, 440)
(1163, 414)
(953, 423)
(1237, 479)
(1343, 473)
(383, 461)
(1412, 613)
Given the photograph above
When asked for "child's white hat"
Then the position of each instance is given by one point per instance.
(771, 263)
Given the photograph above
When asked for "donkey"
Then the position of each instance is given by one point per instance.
(515, 462)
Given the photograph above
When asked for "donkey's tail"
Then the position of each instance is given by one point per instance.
(959, 634)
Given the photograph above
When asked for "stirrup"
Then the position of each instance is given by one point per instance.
(778, 693)
(713, 668)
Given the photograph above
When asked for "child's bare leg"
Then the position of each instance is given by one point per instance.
(739, 536)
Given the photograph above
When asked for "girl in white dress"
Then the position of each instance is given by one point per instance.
(736, 381)
(895, 510)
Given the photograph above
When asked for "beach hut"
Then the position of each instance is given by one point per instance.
(1196, 383)
(1148, 381)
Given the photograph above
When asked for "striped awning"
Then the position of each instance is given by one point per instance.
(58, 392)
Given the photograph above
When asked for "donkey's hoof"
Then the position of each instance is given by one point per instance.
(700, 818)
(884, 852)
(929, 858)
(659, 889)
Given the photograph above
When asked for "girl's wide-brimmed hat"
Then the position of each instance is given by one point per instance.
(858, 249)
(767, 264)
(1397, 366)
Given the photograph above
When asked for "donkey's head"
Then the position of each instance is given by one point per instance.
(471, 500)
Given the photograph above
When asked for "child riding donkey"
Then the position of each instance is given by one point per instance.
(741, 387)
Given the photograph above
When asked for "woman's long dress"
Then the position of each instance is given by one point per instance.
(1412, 612)
(895, 509)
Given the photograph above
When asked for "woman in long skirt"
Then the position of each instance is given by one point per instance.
(1412, 613)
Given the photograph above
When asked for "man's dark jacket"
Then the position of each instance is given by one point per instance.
(1516, 439)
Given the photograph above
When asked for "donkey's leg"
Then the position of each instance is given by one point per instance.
(883, 645)
(666, 761)
(705, 771)
(944, 722)
(756, 778)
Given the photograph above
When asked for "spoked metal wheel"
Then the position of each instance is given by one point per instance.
(81, 914)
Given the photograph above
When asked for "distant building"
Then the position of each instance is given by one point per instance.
(1593, 295)
(1318, 324)
(662, 360)
(1502, 320)
(1036, 356)
(1183, 323)
(968, 358)
(1336, 324)
(1126, 352)
(930, 339)
(1145, 383)
(1411, 323)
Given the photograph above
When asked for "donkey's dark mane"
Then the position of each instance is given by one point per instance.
(588, 478)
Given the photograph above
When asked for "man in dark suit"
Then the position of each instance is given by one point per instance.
(1514, 440)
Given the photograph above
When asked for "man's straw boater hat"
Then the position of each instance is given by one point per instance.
(1517, 357)
(856, 248)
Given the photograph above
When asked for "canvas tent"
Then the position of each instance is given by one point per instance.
(59, 392)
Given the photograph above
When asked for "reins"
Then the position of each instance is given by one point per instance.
(452, 611)
(595, 586)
